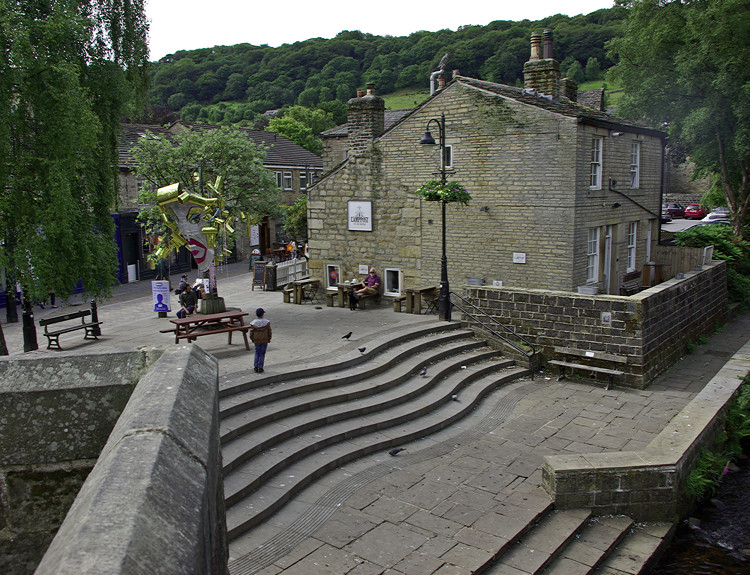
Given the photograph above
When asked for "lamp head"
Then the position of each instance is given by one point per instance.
(427, 139)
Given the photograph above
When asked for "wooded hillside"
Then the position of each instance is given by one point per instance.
(234, 84)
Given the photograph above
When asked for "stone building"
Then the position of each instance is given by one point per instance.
(563, 195)
(294, 168)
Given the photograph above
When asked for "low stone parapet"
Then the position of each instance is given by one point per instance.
(648, 485)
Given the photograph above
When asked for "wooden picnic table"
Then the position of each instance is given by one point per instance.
(414, 298)
(194, 326)
(299, 288)
(344, 289)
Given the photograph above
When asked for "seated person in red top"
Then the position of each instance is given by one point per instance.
(371, 287)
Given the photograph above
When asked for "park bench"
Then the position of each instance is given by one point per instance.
(599, 356)
(199, 325)
(630, 284)
(53, 335)
(398, 303)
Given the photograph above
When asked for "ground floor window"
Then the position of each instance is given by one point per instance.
(592, 256)
(392, 282)
(333, 274)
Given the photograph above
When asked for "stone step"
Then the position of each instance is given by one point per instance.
(413, 359)
(594, 544)
(245, 512)
(348, 358)
(639, 551)
(542, 544)
(272, 447)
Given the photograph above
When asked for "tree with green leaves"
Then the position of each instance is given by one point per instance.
(70, 70)
(195, 158)
(302, 126)
(683, 63)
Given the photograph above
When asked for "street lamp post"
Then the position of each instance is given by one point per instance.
(444, 301)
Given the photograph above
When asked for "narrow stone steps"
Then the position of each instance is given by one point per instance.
(246, 510)
(639, 551)
(594, 544)
(269, 402)
(541, 546)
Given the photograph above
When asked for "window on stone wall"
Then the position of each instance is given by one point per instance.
(303, 180)
(592, 256)
(392, 281)
(632, 237)
(333, 275)
(279, 179)
(596, 164)
(635, 165)
(448, 157)
(288, 180)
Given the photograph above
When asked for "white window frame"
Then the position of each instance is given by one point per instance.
(592, 256)
(330, 282)
(632, 245)
(279, 179)
(389, 275)
(288, 185)
(595, 177)
(635, 165)
(448, 157)
(303, 180)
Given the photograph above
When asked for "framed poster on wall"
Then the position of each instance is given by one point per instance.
(359, 215)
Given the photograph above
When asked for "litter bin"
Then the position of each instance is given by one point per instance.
(254, 257)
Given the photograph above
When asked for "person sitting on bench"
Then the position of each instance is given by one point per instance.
(188, 302)
(370, 287)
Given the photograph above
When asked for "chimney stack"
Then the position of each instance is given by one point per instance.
(366, 117)
(542, 74)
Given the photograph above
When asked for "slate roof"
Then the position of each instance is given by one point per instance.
(564, 106)
(281, 152)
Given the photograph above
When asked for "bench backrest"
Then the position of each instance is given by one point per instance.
(66, 317)
(592, 354)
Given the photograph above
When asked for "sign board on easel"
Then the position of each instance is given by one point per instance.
(259, 275)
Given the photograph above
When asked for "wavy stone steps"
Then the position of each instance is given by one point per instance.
(280, 436)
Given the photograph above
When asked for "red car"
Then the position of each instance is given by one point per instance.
(695, 212)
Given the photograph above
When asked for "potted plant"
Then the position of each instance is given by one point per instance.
(434, 191)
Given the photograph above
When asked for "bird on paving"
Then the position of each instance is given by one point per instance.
(396, 450)
(347, 336)
(423, 373)
(454, 397)
(362, 349)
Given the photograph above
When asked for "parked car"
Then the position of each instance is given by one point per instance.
(675, 210)
(665, 217)
(695, 212)
(719, 213)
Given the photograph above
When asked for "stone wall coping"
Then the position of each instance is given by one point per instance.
(154, 501)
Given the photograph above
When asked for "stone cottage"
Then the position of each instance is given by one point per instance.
(564, 196)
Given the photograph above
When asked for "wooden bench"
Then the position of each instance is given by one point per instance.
(53, 336)
(630, 284)
(288, 292)
(588, 354)
(397, 303)
(331, 297)
(363, 298)
(198, 325)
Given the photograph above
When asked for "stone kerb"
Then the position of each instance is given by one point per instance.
(154, 501)
(648, 485)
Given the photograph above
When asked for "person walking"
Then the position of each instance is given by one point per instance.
(260, 334)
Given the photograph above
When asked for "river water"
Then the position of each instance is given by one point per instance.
(715, 547)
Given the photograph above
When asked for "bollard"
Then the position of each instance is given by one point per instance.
(29, 329)
(96, 330)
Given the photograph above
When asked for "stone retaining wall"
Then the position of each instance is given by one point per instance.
(652, 328)
(154, 501)
(648, 485)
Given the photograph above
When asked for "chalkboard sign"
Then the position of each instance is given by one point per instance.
(259, 275)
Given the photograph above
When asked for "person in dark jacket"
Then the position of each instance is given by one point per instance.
(260, 334)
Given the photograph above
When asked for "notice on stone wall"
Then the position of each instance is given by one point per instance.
(519, 258)
(360, 216)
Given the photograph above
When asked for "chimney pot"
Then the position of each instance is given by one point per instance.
(360, 93)
(536, 46)
(548, 44)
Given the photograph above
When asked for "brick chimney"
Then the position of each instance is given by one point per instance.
(366, 117)
(542, 74)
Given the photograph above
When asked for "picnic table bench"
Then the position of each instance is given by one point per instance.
(631, 283)
(198, 325)
(53, 335)
(595, 355)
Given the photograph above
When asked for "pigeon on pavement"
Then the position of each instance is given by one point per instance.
(347, 336)
(396, 450)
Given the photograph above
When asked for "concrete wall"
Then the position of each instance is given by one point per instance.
(651, 328)
(648, 485)
(154, 501)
